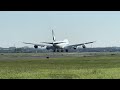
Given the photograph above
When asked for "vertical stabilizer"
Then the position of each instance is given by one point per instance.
(53, 35)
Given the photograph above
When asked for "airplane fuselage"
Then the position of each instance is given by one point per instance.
(61, 45)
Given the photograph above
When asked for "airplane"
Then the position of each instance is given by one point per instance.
(58, 45)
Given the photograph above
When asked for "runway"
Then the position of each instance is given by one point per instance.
(29, 56)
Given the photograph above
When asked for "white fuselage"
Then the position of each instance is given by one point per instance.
(61, 45)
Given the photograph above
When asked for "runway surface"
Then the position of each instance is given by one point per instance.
(28, 56)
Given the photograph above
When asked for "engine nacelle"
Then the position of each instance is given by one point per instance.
(83, 46)
(35, 46)
(75, 47)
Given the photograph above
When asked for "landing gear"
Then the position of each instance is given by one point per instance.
(66, 50)
(54, 50)
(62, 50)
(57, 50)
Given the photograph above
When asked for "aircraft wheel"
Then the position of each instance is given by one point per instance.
(62, 50)
(57, 50)
(66, 50)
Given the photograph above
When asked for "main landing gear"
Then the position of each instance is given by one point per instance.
(58, 50)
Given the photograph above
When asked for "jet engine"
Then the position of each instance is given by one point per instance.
(75, 47)
(83, 46)
(35, 46)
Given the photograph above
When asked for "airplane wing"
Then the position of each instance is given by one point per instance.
(52, 42)
(35, 44)
(75, 45)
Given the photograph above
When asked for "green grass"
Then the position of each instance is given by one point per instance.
(17, 66)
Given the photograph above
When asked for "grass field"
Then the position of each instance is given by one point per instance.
(66, 66)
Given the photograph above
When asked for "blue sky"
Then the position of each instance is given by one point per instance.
(77, 26)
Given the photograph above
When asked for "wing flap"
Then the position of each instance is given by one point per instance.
(75, 45)
(35, 44)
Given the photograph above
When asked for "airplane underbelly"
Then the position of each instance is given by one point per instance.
(58, 46)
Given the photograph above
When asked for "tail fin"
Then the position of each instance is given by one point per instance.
(53, 35)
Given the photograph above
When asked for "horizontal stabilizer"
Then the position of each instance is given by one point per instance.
(52, 42)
